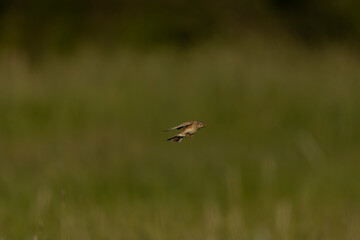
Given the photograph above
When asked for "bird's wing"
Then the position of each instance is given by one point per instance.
(180, 126)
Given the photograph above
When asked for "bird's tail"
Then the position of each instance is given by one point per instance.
(176, 138)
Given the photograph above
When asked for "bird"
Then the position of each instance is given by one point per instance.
(188, 130)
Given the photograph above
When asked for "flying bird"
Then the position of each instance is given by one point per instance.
(188, 130)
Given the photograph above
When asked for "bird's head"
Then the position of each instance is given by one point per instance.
(201, 124)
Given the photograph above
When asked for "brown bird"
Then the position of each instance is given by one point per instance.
(188, 130)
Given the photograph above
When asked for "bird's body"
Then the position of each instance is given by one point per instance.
(188, 130)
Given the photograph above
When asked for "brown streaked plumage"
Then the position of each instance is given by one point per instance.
(188, 130)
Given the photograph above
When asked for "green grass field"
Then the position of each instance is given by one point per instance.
(83, 155)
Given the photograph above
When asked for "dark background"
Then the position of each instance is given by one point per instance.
(38, 24)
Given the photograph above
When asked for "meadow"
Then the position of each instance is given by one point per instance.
(83, 155)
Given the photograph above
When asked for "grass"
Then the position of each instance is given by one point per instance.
(82, 155)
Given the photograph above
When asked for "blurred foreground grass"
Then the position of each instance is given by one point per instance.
(82, 155)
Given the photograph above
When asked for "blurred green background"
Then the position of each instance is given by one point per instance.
(88, 86)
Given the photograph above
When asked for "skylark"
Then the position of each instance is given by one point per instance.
(188, 130)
